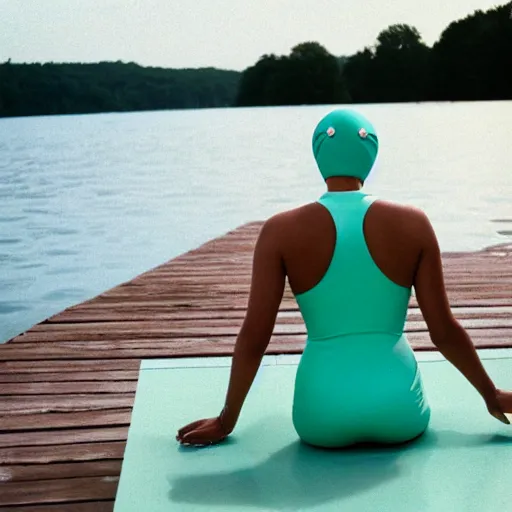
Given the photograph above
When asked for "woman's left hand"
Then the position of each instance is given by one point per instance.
(202, 433)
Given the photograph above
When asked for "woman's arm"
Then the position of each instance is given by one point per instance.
(445, 331)
(267, 287)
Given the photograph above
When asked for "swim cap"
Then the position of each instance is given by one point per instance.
(345, 144)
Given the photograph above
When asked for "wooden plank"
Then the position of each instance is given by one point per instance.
(204, 306)
(28, 404)
(38, 388)
(284, 325)
(118, 333)
(138, 314)
(239, 296)
(453, 282)
(67, 366)
(484, 297)
(63, 436)
(134, 331)
(62, 453)
(144, 348)
(47, 420)
(153, 314)
(58, 491)
(468, 324)
(86, 333)
(484, 339)
(120, 349)
(59, 470)
(90, 506)
(101, 304)
(45, 377)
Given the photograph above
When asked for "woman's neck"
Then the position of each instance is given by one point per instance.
(343, 184)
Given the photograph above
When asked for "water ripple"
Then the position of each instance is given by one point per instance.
(64, 293)
(12, 218)
(10, 241)
(30, 266)
(61, 252)
(12, 307)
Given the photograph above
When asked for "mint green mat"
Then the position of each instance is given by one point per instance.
(463, 463)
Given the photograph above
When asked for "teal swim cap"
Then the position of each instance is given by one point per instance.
(345, 144)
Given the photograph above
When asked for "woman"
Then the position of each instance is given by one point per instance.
(351, 261)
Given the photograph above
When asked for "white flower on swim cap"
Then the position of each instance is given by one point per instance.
(363, 133)
(331, 131)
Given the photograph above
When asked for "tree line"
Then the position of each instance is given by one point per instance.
(45, 89)
(470, 61)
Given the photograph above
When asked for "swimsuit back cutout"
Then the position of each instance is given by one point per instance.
(354, 296)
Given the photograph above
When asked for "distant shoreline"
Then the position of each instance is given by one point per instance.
(348, 105)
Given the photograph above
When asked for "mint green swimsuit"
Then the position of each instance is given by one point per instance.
(358, 379)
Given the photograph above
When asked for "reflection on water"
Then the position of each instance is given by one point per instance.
(90, 201)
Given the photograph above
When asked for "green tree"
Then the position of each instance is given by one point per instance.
(358, 73)
(398, 37)
(309, 75)
(261, 84)
(316, 75)
(394, 70)
(472, 59)
(400, 65)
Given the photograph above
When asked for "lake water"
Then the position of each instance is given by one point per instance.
(87, 202)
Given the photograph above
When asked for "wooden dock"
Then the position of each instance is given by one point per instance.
(67, 385)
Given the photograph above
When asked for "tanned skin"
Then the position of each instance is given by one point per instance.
(298, 245)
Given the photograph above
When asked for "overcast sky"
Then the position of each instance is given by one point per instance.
(228, 34)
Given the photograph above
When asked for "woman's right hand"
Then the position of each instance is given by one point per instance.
(203, 432)
(499, 404)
